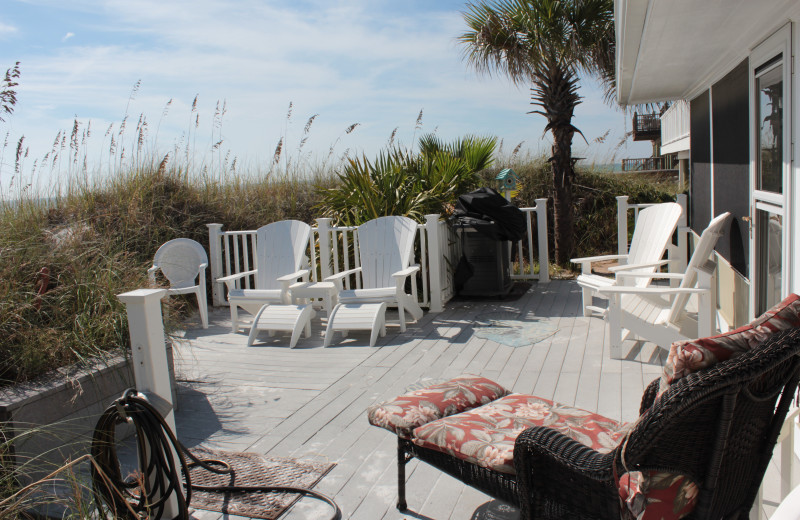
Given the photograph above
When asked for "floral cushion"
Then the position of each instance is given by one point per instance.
(485, 436)
(686, 357)
(656, 495)
(414, 409)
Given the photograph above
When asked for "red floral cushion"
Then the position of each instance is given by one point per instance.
(485, 436)
(686, 357)
(414, 409)
(656, 495)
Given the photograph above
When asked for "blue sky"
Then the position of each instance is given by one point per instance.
(372, 62)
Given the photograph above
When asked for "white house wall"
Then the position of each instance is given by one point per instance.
(678, 49)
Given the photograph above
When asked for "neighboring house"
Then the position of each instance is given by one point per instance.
(732, 61)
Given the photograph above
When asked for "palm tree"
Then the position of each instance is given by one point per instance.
(547, 44)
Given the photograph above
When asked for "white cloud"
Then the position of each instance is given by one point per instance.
(346, 61)
(67, 36)
(7, 29)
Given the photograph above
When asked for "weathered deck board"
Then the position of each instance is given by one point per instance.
(310, 402)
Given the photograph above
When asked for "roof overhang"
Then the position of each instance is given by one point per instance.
(674, 49)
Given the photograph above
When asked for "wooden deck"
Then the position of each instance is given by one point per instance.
(310, 402)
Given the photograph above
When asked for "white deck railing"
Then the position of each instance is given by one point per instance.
(522, 259)
(333, 249)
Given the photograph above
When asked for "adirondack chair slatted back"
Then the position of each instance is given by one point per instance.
(280, 250)
(385, 246)
(651, 236)
(179, 260)
(702, 251)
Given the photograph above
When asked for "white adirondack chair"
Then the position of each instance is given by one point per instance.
(385, 248)
(664, 315)
(183, 263)
(280, 255)
(651, 237)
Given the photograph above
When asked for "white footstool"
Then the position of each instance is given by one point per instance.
(357, 316)
(276, 317)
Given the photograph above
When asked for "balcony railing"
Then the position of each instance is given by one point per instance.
(646, 127)
(649, 164)
(675, 128)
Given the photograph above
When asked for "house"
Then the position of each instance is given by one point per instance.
(732, 63)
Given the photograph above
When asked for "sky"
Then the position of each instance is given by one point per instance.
(378, 63)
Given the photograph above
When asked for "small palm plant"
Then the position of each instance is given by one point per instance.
(399, 182)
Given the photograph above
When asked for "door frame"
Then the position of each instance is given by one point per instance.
(778, 43)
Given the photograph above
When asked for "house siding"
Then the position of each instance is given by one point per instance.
(729, 112)
(700, 181)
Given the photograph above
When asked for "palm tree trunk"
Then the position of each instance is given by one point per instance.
(555, 90)
(561, 164)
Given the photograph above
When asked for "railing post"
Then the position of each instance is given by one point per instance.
(324, 231)
(683, 235)
(215, 258)
(622, 224)
(434, 261)
(149, 357)
(541, 239)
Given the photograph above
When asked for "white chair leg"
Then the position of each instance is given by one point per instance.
(295, 335)
(378, 325)
(401, 314)
(234, 317)
(587, 301)
(254, 327)
(614, 327)
(329, 328)
(373, 336)
(202, 306)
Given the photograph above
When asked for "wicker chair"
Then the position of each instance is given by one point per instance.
(717, 426)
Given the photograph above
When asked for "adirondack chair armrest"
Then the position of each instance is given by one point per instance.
(653, 276)
(338, 277)
(597, 258)
(342, 274)
(631, 267)
(231, 280)
(400, 278)
(587, 261)
(287, 278)
(406, 272)
(651, 290)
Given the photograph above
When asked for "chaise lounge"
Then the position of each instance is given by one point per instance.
(700, 447)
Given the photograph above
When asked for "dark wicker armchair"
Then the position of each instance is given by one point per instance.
(718, 426)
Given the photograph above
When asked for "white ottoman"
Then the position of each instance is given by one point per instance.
(357, 316)
(276, 317)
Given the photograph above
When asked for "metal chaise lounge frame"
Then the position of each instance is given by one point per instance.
(718, 426)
